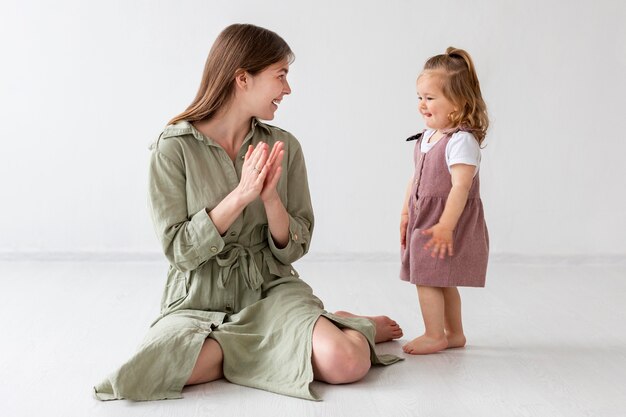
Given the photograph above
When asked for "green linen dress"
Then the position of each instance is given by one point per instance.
(237, 288)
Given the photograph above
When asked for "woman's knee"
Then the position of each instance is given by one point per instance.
(343, 361)
(356, 363)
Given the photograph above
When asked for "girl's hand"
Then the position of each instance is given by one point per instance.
(274, 169)
(404, 222)
(253, 173)
(441, 241)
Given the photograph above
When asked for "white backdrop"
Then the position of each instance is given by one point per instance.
(86, 86)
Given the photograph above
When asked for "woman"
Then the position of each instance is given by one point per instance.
(230, 203)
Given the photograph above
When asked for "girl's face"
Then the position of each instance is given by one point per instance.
(266, 89)
(433, 105)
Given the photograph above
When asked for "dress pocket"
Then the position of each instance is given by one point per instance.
(176, 288)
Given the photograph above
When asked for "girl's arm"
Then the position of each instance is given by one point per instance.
(404, 215)
(442, 232)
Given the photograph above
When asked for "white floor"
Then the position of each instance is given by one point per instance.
(543, 341)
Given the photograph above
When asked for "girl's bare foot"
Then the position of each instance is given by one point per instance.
(386, 328)
(425, 345)
(455, 340)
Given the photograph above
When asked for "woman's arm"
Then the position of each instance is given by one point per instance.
(190, 239)
(290, 222)
(277, 216)
(278, 221)
(187, 239)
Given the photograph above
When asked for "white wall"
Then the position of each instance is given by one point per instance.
(86, 86)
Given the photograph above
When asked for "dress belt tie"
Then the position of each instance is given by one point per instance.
(240, 259)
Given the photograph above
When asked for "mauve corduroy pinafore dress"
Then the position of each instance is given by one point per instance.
(431, 186)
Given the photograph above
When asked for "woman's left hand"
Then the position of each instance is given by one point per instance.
(441, 241)
(274, 167)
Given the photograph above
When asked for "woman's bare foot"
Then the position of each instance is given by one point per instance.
(386, 328)
(455, 340)
(425, 345)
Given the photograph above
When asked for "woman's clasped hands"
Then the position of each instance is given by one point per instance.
(260, 172)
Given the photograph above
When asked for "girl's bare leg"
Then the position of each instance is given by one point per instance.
(433, 312)
(208, 366)
(386, 328)
(454, 324)
(340, 356)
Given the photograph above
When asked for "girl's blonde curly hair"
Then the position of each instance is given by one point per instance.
(460, 85)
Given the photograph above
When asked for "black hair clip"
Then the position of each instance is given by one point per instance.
(415, 137)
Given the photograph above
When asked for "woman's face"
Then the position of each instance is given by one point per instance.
(266, 89)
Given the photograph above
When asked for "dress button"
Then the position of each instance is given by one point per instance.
(293, 272)
(233, 233)
(295, 236)
(214, 249)
(243, 157)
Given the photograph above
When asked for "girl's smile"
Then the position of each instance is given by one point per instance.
(433, 105)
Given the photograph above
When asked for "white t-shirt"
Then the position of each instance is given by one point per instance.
(462, 148)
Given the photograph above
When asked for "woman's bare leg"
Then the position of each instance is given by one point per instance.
(208, 367)
(340, 356)
(386, 328)
(454, 324)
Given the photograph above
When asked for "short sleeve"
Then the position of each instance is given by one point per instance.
(463, 148)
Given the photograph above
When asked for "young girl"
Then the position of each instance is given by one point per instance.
(443, 235)
(230, 204)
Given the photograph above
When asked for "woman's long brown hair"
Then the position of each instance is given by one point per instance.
(240, 47)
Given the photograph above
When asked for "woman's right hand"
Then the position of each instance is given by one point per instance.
(253, 173)
(404, 222)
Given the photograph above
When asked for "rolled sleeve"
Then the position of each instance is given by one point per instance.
(206, 238)
(187, 241)
(297, 245)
